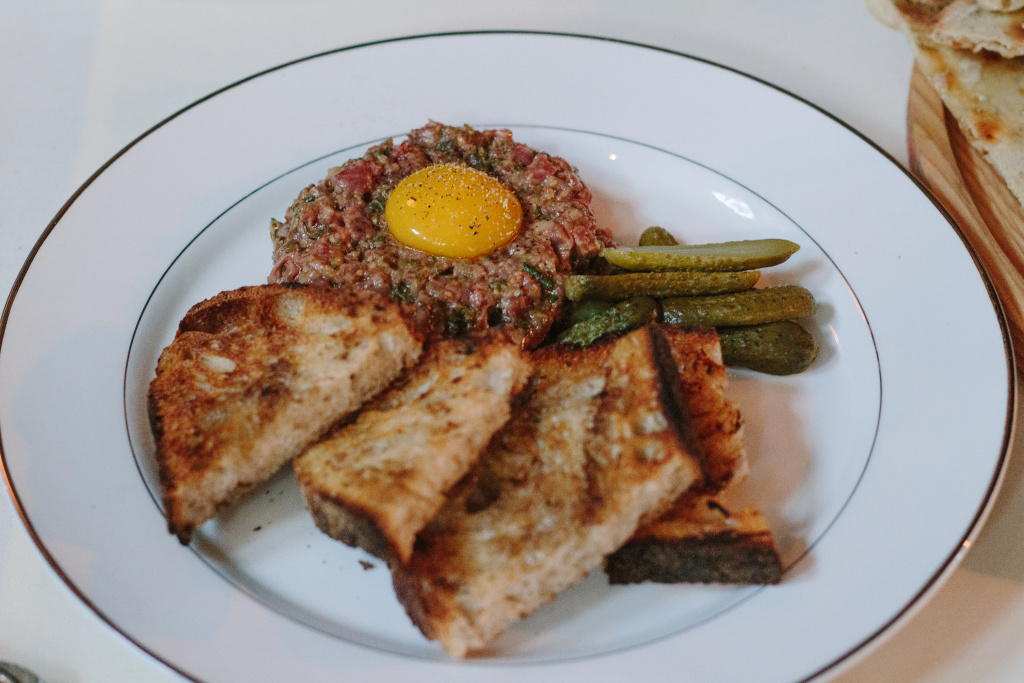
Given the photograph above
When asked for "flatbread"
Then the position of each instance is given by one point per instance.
(963, 24)
(982, 90)
(986, 96)
(1001, 5)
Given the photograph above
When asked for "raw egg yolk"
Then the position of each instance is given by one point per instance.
(454, 211)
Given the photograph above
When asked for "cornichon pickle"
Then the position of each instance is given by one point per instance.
(752, 307)
(625, 315)
(779, 348)
(727, 256)
(659, 285)
(656, 236)
(585, 310)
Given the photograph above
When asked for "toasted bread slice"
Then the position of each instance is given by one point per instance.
(716, 420)
(376, 482)
(600, 443)
(256, 374)
(699, 541)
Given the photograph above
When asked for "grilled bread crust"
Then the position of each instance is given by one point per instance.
(600, 443)
(700, 540)
(716, 421)
(256, 374)
(376, 482)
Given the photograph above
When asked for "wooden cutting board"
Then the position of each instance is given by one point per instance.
(975, 196)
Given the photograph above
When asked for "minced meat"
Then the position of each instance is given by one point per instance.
(335, 233)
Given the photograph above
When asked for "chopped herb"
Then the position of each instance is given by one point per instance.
(384, 150)
(380, 239)
(376, 206)
(316, 231)
(460, 321)
(402, 294)
(310, 198)
(545, 281)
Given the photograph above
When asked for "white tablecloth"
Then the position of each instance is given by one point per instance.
(80, 79)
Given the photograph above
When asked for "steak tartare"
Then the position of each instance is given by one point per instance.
(335, 233)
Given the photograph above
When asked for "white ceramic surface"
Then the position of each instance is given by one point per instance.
(858, 463)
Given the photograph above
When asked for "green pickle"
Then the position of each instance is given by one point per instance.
(658, 285)
(656, 236)
(585, 310)
(623, 316)
(721, 256)
(751, 307)
(779, 348)
(702, 285)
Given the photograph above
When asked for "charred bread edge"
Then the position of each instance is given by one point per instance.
(156, 424)
(710, 484)
(350, 524)
(203, 316)
(411, 601)
(726, 557)
(673, 400)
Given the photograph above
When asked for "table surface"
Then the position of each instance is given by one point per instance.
(80, 79)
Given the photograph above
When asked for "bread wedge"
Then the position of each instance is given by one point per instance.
(256, 374)
(600, 443)
(700, 540)
(376, 482)
(717, 422)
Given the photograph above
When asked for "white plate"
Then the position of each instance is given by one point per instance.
(874, 467)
